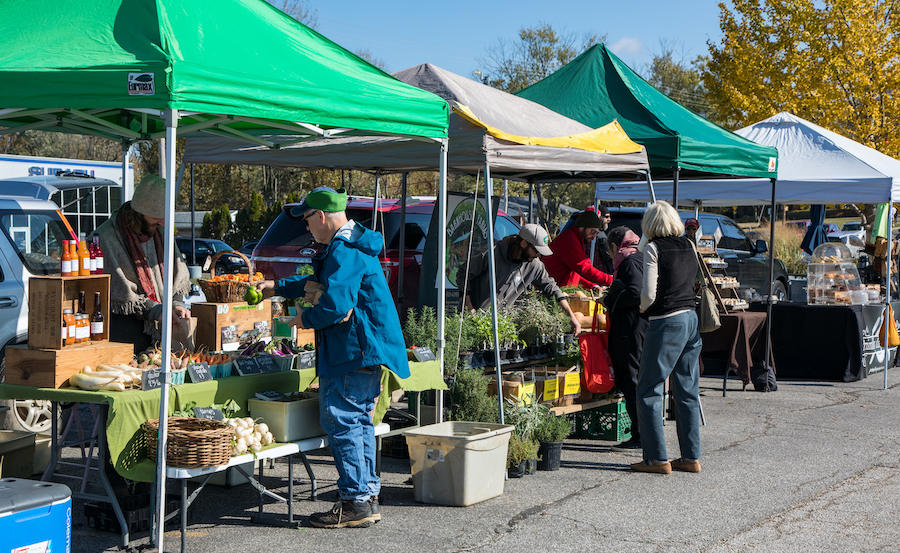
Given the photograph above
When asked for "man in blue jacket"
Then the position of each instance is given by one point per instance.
(358, 331)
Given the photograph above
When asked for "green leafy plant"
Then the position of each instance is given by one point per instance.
(469, 399)
(553, 428)
(459, 336)
(520, 449)
(525, 416)
(483, 326)
(537, 317)
(420, 328)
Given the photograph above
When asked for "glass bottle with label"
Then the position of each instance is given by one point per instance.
(66, 262)
(92, 266)
(96, 320)
(84, 257)
(69, 326)
(82, 329)
(82, 309)
(98, 256)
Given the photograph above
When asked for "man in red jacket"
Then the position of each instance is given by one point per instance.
(569, 265)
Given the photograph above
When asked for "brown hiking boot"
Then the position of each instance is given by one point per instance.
(346, 513)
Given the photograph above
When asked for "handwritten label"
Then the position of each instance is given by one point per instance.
(255, 365)
(209, 413)
(707, 242)
(423, 354)
(306, 360)
(150, 379)
(199, 372)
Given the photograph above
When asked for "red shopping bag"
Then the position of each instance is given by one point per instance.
(597, 376)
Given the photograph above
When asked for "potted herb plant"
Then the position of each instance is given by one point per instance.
(550, 433)
(519, 453)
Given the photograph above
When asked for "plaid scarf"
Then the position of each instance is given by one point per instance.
(133, 242)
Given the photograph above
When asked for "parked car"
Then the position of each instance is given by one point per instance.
(287, 244)
(30, 244)
(831, 228)
(799, 226)
(747, 260)
(854, 228)
(247, 247)
(205, 247)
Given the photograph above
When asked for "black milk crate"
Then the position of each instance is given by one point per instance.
(137, 512)
(608, 422)
(395, 446)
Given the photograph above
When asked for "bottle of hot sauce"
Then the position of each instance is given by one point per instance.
(66, 264)
(93, 263)
(84, 257)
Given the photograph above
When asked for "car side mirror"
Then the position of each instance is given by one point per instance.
(762, 246)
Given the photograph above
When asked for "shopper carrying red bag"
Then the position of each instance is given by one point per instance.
(597, 376)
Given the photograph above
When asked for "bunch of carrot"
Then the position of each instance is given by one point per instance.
(210, 358)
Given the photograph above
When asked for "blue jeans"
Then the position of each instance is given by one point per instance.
(671, 347)
(344, 406)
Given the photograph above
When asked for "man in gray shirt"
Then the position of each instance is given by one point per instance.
(518, 265)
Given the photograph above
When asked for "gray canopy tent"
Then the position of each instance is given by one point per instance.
(490, 130)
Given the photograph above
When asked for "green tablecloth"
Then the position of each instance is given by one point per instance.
(129, 410)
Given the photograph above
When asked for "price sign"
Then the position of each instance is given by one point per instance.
(199, 372)
(267, 363)
(306, 360)
(150, 379)
(423, 354)
(247, 365)
(209, 413)
(707, 242)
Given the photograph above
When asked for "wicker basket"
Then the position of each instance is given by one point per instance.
(226, 291)
(192, 443)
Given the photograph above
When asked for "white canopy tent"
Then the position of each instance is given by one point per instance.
(817, 166)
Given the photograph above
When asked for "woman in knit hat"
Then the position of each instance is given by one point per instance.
(133, 252)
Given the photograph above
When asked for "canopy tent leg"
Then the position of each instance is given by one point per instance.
(650, 186)
(771, 279)
(441, 271)
(887, 291)
(506, 195)
(492, 271)
(401, 267)
(193, 223)
(127, 184)
(675, 176)
(530, 201)
(377, 199)
(158, 521)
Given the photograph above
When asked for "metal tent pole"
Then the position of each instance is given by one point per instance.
(127, 185)
(402, 265)
(442, 272)
(652, 191)
(530, 201)
(166, 327)
(488, 192)
(771, 279)
(377, 201)
(193, 223)
(675, 177)
(887, 290)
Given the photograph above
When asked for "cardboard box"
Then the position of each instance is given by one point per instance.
(51, 368)
(518, 391)
(220, 325)
(558, 386)
(16, 454)
(49, 295)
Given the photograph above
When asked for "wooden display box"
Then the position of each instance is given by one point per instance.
(49, 295)
(220, 325)
(51, 368)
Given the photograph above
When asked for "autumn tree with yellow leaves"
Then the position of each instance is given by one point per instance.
(833, 62)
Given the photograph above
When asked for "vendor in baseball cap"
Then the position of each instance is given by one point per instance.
(322, 198)
(691, 222)
(537, 237)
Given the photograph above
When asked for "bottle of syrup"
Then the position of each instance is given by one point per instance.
(96, 320)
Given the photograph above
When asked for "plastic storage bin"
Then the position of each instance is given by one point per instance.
(35, 516)
(16, 454)
(458, 463)
(289, 421)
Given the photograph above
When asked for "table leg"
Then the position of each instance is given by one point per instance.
(183, 514)
(261, 469)
(102, 453)
(54, 443)
(290, 496)
(312, 477)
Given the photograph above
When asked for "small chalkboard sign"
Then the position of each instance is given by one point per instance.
(423, 354)
(209, 413)
(150, 379)
(255, 365)
(306, 360)
(199, 372)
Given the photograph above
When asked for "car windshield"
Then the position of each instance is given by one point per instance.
(37, 238)
(217, 246)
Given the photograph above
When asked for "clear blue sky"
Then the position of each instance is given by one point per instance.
(456, 35)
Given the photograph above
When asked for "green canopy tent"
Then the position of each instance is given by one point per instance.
(139, 70)
(596, 88)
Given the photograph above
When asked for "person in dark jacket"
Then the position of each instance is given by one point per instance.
(358, 332)
(626, 326)
(672, 342)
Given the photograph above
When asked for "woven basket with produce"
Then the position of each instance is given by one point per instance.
(228, 288)
(191, 442)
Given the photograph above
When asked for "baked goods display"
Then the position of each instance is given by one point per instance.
(724, 287)
(723, 281)
(832, 277)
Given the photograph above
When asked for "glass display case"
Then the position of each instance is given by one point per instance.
(832, 277)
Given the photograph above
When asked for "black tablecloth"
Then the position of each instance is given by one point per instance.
(823, 342)
(739, 342)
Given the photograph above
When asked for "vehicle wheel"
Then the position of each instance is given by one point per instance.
(29, 415)
(779, 291)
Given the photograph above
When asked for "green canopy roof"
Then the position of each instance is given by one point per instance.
(596, 88)
(226, 65)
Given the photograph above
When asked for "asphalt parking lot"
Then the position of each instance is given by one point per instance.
(811, 467)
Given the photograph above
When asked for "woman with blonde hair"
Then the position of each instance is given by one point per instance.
(672, 342)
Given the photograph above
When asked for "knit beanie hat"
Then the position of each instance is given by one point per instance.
(588, 219)
(150, 197)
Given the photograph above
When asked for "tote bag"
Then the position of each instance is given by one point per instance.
(893, 339)
(708, 314)
(597, 376)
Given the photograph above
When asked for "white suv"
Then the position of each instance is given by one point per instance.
(31, 233)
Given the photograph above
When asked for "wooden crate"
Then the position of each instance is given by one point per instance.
(49, 295)
(51, 368)
(230, 319)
